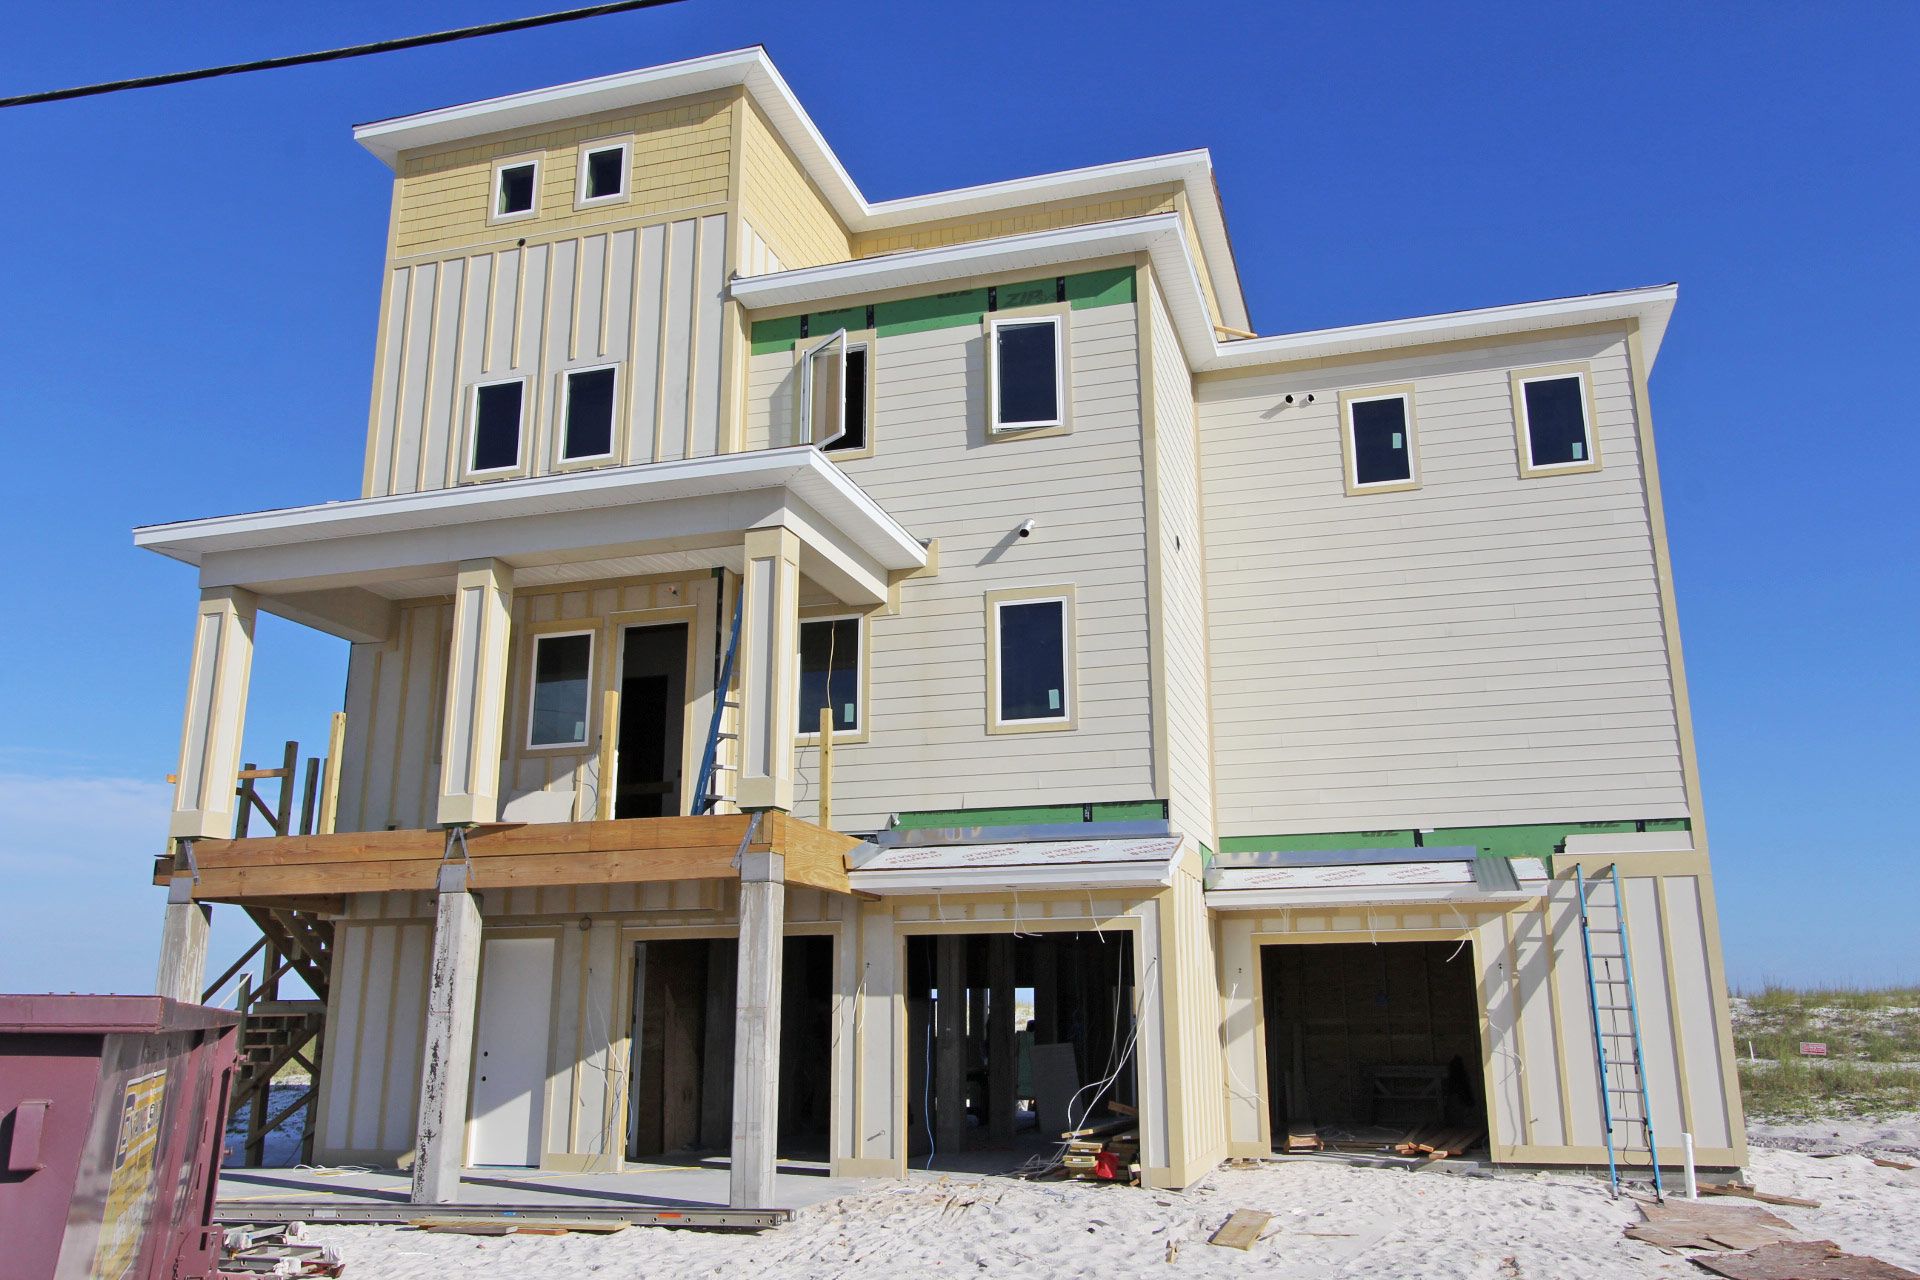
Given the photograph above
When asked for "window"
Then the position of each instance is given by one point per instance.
(603, 174)
(516, 189)
(1030, 660)
(830, 674)
(494, 435)
(1026, 372)
(853, 423)
(836, 393)
(1553, 412)
(562, 683)
(1377, 440)
(587, 414)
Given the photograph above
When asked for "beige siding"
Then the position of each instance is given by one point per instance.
(376, 1021)
(781, 202)
(1195, 1062)
(1482, 650)
(1018, 221)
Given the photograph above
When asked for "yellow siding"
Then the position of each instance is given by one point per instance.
(1029, 218)
(781, 203)
(681, 160)
(1199, 257)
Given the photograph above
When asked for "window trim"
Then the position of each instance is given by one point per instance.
(493, 188)
(1061, 316)
(1349, 456)
(534, 641)
(624, 145)
(867, 338)
(1069, 643)
(1523, 440)
(519, 468)
(863, 702)
(563, 396)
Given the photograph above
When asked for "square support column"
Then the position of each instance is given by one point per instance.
(183, 943)
(756, 1041)
(769, 639)
(216, 715)
(453, 990)
(476, 694)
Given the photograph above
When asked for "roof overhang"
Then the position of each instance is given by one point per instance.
(334, 565)
(977, 861)
(1457, 876)
(754, 71)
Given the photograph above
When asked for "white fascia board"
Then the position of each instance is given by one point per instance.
(1624, 842)
(1374, 896)
(956, 880)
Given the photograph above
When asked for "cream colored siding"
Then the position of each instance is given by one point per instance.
(935, 471)
(1199, 256)
(781, 202)
(1482, 650)
(1198, 1092)
(395, 700)
(649, 299)
(1012, 222)
(376, 1020)
(756, 258)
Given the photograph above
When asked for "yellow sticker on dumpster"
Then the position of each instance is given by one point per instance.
(130, 1190)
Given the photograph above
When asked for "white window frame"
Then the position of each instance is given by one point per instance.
(533, 688)
(810, 431)
(1059, 315)
(809, 735)
(519, 464)
(493, 189)
(561, 457)
(1069, 717)
(581, 200)
(1350, 454)
(1523, 435)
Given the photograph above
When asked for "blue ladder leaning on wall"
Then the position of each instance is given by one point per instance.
(1623, 1077)
(708, 793)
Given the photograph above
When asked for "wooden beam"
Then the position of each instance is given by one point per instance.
(1003, 1065)
(609, 755)
(330, 776)
(826, 766)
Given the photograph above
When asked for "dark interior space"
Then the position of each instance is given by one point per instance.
(1368, 1044)
(653, 686)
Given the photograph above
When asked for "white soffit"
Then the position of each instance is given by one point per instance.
(1365, 884)
(1145, 863)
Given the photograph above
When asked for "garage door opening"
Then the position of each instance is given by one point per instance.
(1373, 1047)
(1012, 1040)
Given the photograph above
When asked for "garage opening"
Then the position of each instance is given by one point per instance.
(680, 1095)
(1374, 1048)
(1012, 1040)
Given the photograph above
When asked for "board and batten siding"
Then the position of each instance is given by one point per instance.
(935, 471)
(649, 299)
(1482, 650)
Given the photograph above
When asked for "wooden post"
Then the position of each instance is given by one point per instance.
(826, 766)
(1003, 1061)
(453, 989)
(309, 795)
(330, 776)
(756, 1045)
(604, 798)
(183, 942)
(1046, 990)
(243, 800)
(283, 810)
(949, 1046)
(716, 1098)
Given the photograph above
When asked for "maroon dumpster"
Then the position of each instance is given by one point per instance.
(111, 1112)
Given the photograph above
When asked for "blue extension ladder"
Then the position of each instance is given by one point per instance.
(708, 794)
(1623, 1077)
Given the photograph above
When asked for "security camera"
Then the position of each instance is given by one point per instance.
(1306, 399)
(1026, 529)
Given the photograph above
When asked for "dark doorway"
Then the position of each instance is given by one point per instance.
(653, 696)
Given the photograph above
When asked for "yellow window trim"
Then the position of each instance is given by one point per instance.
(863, 674)
(1517, 380)
(1348, 463)
(1062, 314)
(1064, 593)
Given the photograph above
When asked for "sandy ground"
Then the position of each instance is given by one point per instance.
(1329, 1221)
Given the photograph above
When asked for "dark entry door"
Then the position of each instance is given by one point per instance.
(653, 696)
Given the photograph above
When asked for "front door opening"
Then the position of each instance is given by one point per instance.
(1373, 1048)
(653, 696)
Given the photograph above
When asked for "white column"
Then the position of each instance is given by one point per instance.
(476, 693)
(183, 944)
(216, 714)
(756, 1040)
(769, 639)
(440, 1140)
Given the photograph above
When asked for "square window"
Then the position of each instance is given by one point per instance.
(562, 685)
(495, 433)
(1556, 431)
(1030, 639)
(1026, 373)
(514, 186)
(606, 173)
(830, 673)
(588, 431)
(1379, 441)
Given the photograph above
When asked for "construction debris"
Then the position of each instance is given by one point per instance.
(1746, 1192)
(1800, 1260)
(1685, 1224)
(278, 1250)
(1241, 1230)
(1440, 1142)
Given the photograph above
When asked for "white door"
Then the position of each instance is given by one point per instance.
(510, 1051)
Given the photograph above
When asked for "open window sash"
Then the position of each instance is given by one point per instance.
(823, 391)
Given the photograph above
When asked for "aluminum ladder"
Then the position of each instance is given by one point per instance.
(1615, 1013)
(708, 794)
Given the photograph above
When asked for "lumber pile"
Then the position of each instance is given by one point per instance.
(1105, 1152)
(1439, 1141)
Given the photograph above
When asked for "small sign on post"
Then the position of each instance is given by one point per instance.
(1812, 1049)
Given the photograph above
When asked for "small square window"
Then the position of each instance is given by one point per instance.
(1379, 440)
(1027, 382)
(495, 432)
(562, 687)
(1031, 662)
(1555, 421)
(588, 430)
(603, 174)
(515, 187)
(830, 673)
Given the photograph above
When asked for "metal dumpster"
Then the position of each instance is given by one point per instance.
(111, 1111)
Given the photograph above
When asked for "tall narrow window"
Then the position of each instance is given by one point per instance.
(588, 431)
(1028, 389)
(853, 421)
(1379, 445)
(603, 174)
(830, 673)
(1031, 662)
(495, 432)
(562, 684)
(515, 189)
(1555, 421)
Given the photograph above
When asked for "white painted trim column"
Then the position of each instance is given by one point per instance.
(216, 715)
(476, 704)
(769, 641)
(756, 1038)
(446, 1068)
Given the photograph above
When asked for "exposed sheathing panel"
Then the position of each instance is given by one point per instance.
(680, 160)
(649, 299)
(1481, 650)
(1191, 984)
(1011, 222)
(781, 202)
(376, 1027)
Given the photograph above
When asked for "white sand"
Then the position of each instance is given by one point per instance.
(1372, 1222)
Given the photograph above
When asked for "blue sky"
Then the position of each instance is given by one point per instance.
(187, 307)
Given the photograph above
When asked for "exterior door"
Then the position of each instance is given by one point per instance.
(510, 1051)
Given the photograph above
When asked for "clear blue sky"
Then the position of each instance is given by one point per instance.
(190, 279)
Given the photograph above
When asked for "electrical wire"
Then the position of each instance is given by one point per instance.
(331, 55)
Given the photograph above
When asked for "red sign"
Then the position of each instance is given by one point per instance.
(1812, 1049)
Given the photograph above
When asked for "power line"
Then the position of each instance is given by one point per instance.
(333, 55)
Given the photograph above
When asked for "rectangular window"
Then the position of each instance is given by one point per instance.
(494, 434)
(516, 189)
(562, 685)
(1025, 374)
(830, 673)
(1379, 446)
(1031, 661)
(603, 174)
(853, 421)
(588, 414)
(1555, 419)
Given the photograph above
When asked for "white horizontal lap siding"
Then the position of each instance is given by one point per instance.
(934, 470)
(1484, 649)
(649, 299)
